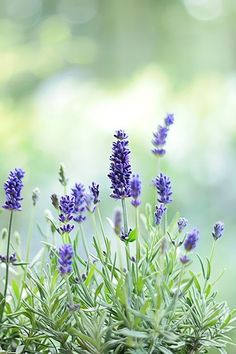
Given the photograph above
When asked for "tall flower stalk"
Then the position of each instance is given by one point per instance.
(120, 175)
(160, 136)
(13, 187)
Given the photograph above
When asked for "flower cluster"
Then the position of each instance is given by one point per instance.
(218, 230)
(135, 190)
(66, 207)
(182, 224)
(120, 168)
(160, 136)
(13, 187)
(65, 259)
(92, 198)
(164, 190)
(160, 211)
(11, 259)
(191, 240)
(79, 195)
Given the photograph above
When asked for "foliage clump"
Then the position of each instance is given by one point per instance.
(138, 297)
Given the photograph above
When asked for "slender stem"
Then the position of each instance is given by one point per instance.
(97, 236)
(165, 222)
(212, 251)
(210, 260)
(137, 245)
(137, 240)
(101, 224)
(84, 242)
(177, 291)
(127, 251)
(125, 215)
(7, 261)
(70, 297)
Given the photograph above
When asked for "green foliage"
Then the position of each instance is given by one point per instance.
(150, 303)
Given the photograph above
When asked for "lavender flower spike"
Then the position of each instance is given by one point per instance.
(78, 192)
(160, 211)
(191, 240)
(218, 230)
(135, 190)
(66, 207)
(65, 259)
(92, 198)
(120, 169)
(182, 223)
(94, 190)
(169, 119)
(13, 187)
(160, 136)
(163, 185)
(184, 259)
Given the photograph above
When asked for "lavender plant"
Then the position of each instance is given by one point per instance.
(141, 297)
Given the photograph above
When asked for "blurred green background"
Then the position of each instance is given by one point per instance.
(73, 71)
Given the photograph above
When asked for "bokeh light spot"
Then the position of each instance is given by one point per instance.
(204, 10)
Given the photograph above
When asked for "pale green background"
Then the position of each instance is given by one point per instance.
(73, 71)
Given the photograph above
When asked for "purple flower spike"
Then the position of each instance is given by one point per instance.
(92, 198)
(182, 223)
(160, 136)
(13, 187)
(94, 190)
(191, 240)
(218, 230)
(12, 258)
(184, 259)
(163, 185)
(118, 222)
(135, 190)
(121, 135)
(160, 211)
(169, 119)
(78, 192)
(159, 151)
(65, 259)
(67, 207)
(120, 169)
(66, 228)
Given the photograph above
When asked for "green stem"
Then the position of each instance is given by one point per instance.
(84, 242)
(137, 246)
(7, 261)
(125, 216)
(101, 224)
(69, 294)
(127, 251)
(137, 240)
(176, 296)
(212, 251)
(165, 222)
(97, 236)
